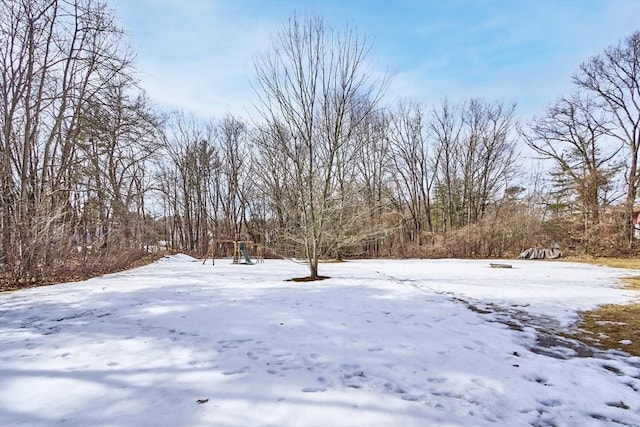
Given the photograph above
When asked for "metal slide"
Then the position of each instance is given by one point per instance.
(246, 257)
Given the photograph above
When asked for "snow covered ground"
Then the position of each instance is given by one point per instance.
(381, 343)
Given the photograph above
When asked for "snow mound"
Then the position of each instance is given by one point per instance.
(178, 258)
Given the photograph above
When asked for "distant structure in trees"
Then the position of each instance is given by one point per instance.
(636, 224)
(541, 253)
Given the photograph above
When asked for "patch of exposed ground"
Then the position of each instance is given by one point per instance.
(307, 279)
(551, 338)
(609, 327)
(614, 327)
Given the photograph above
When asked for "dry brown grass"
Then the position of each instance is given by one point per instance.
(613, 326)
(632, 283)
(631, 263)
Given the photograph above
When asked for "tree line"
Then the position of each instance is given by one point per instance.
(93, 175)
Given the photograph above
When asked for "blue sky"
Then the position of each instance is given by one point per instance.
(197, 55)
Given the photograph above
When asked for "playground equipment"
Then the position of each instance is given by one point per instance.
(243, 252)
(240, 251)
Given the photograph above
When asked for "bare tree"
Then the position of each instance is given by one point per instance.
(414, 175)
(190, 180)
(274, 173)
(356, 220)
(233, 140)
(316, 84)
(206, 180)
(375, 184)
(488, 155)
(56, 58)
(613, 79)
(573, 134)
(446, 126)
(118, 140)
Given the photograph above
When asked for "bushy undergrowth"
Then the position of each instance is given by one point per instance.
(80, 267)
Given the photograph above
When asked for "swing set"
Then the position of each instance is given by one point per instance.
(240, 251)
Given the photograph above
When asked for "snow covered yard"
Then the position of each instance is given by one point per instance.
(384, 343)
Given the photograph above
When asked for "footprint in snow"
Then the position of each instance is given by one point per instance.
(314, 389)
(410, 397)
(236, 371)
(550, 403)
(349, 366)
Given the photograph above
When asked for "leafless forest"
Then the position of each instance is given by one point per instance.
(93, 176)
